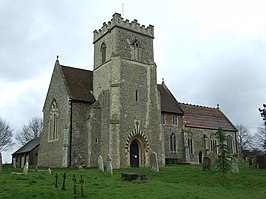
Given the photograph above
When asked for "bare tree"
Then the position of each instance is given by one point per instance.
(30, 131)
(6, 135)
(244, 137)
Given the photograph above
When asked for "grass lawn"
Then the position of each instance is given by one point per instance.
(180, 181)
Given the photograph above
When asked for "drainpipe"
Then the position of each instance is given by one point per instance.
(70, 134)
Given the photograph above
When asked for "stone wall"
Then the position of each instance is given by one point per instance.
(55, 153)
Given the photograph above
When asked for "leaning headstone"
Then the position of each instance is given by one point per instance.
(26, 168)
(109, 165)
(261, 161)
(64, 182)
(14, 163)
(234, 165)
(0, 162)
(100, 164)
(206, 164)
(154, 162)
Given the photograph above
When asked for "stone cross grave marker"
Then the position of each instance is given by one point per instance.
(206, 164)
(64, 182)
(100, 164)
(56, 180)
(26, 168)
(74, 185)
(14, 163)
(109, 165)
(234, 165)
(81, 181)
(0, 162)
(154, 162)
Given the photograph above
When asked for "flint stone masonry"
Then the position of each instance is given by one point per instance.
(154, 162)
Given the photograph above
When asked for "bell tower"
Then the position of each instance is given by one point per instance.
(125, 85)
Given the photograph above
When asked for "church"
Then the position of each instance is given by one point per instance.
(118, 109)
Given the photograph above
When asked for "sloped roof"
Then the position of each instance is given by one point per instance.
(80, 83)
(205, 117)
(29, 146)
(168, 102)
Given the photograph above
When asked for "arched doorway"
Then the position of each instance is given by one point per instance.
(134, 154)
(200, 157)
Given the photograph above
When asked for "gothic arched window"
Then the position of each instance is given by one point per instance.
(53, 120)
(103, 51)
(173, 143)
(135, 52)
(229, 140)
(190, 145)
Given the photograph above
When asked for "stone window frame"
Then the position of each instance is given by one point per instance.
(103, 52)
(213, 145)
(229, 143)
(175, 119)
(172, 143)
(135, 50)
(53, 122)
(190, 145)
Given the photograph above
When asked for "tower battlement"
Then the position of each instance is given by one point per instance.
(118, 21)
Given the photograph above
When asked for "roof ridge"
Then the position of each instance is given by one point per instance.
(75, 68)
(202, 106)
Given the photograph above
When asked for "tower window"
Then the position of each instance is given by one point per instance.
(103, 51)
(136, 95)
(135, 49)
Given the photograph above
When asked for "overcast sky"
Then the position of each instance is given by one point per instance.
(209, 52)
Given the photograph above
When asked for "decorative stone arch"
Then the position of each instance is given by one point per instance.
(143, 145)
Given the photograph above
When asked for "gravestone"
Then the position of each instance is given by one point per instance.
(234, 165)
(49, 171)
(212, 157)
(64, 182)
(206, 164)
(261, 161)
(154, 162)
(14, 163)
(100, 164)
(109, 165)
(26, 168)
(0, 162)
(74, 185)
(56, 180)
(81, 181)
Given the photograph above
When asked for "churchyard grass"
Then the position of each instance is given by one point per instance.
(179, 181)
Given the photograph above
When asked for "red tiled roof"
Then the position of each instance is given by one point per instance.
(205, 117)
(168, 102)
(79, 82)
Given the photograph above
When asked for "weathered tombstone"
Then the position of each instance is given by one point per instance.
(36, 168)
(100, 164)
(109, 165)
(26, 168)
(0, 162)
(74, 185)
(206, 164)
(212, 157)
(261, 161)
(250, 162)
(49, 171)
(234, 165)
(154, 162)
(14, 163)
(56, 180)
(81, 181)
(64, 182)
(254, 162)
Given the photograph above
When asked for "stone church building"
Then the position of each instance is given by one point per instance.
(118, 109)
